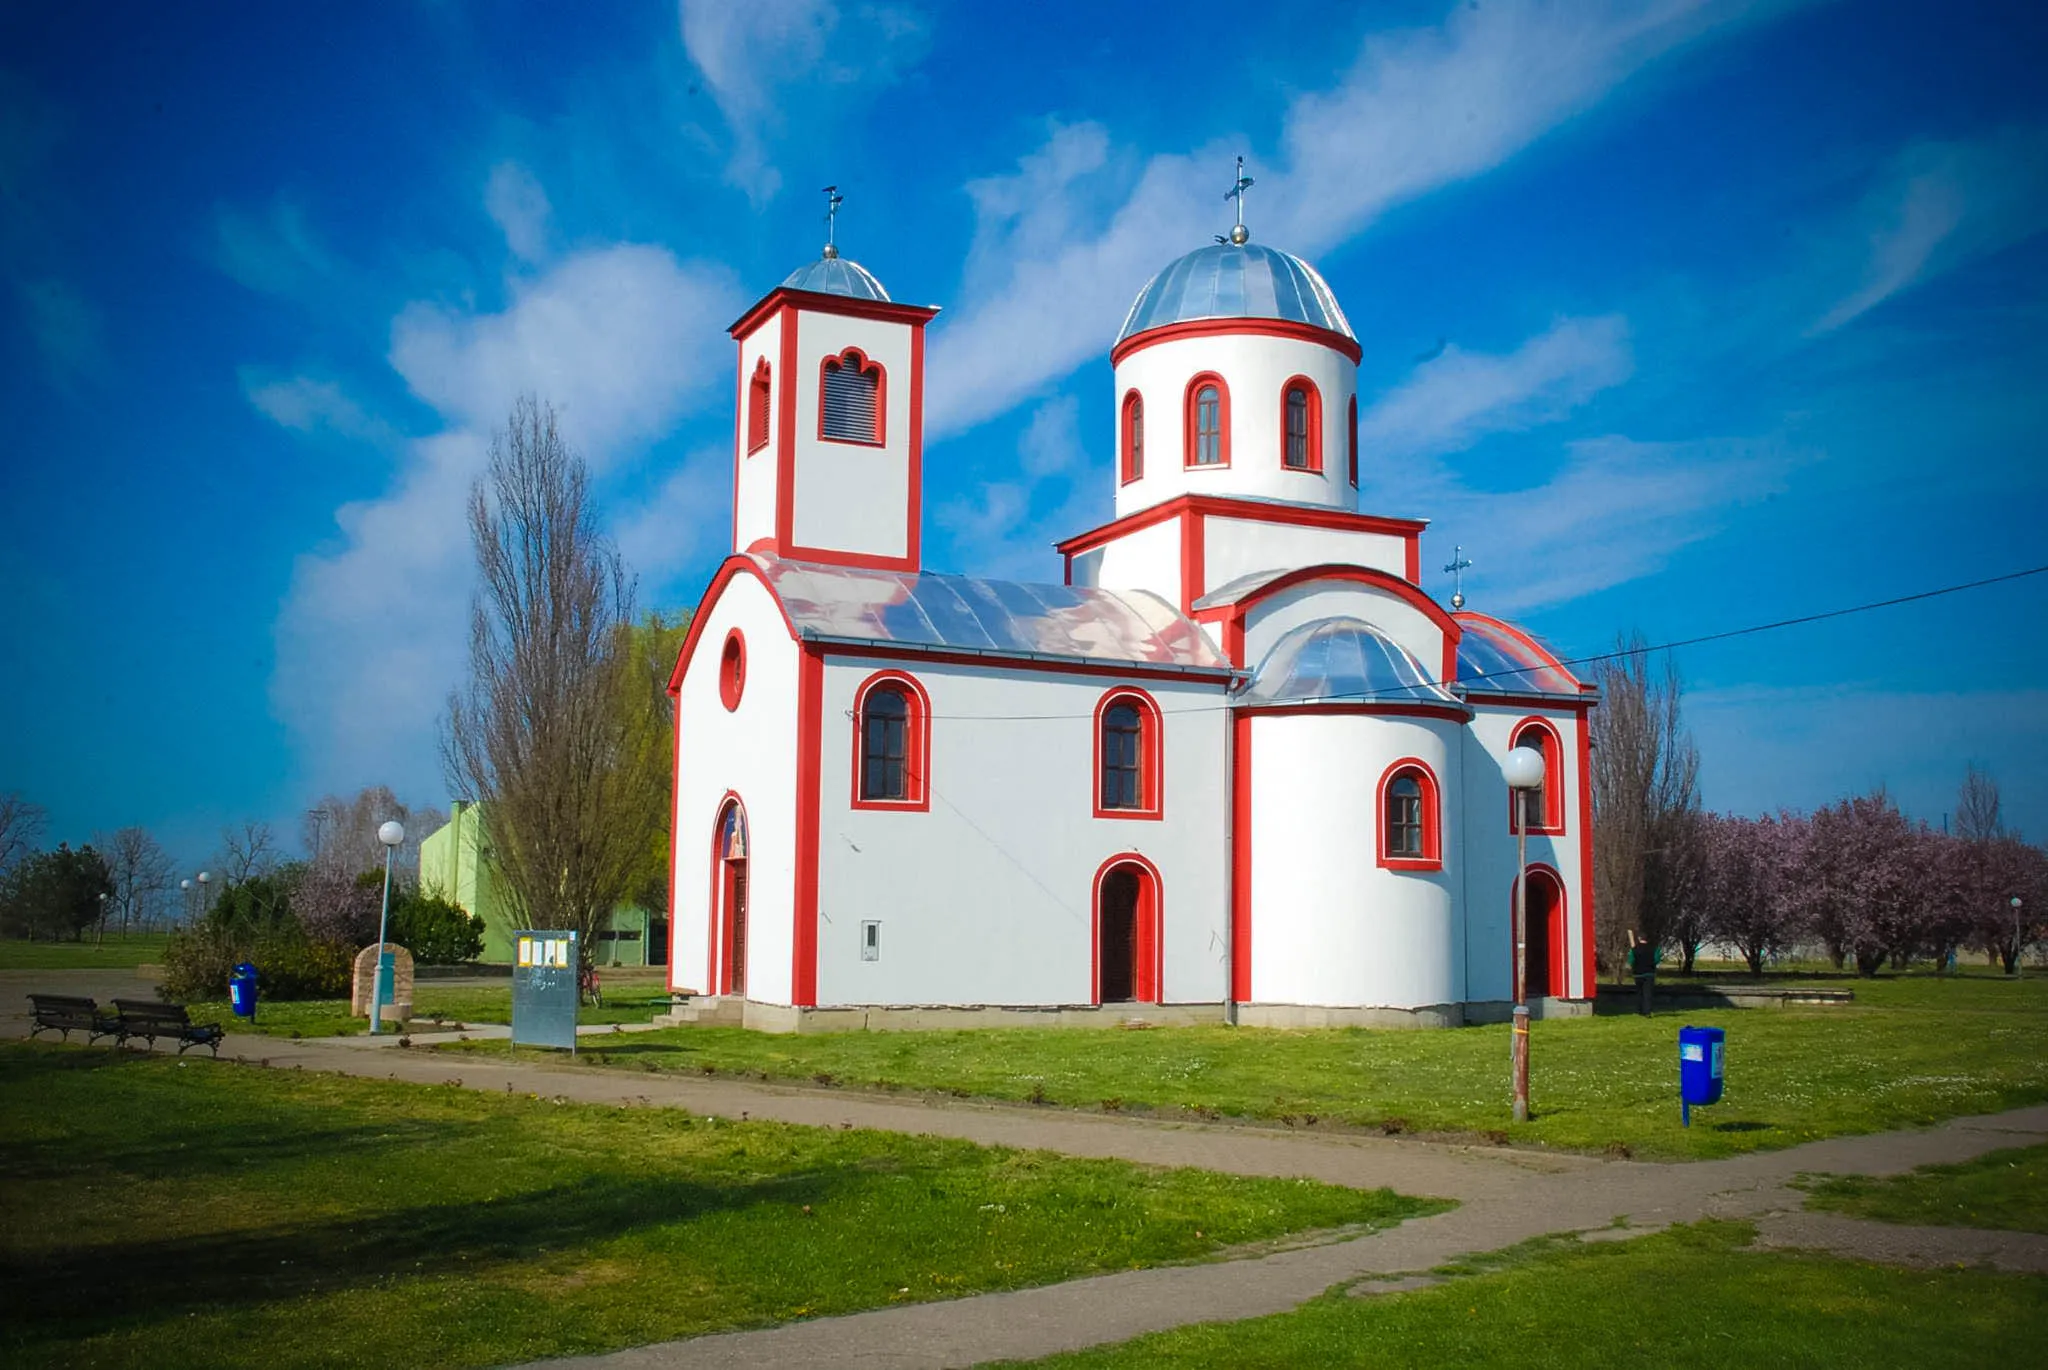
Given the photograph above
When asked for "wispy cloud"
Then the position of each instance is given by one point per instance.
(273, 251)
(310, 405)
(1457, 396)
(1417, 110)
(1940, 205)
(755, 54)
(373, 630)
(689, 513)
(519, 206)
(1006, 528)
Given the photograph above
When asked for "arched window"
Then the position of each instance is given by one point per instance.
(851, 398)
(1206, 424)
(1410, 818)
(1133, 435)
(757, 408)
(732, 670)
(1301, 426)
(1351, 442)
(1543, 807)
(892, 739)
(1127, 747)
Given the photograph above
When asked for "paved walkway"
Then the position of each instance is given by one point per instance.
(1505, 1196)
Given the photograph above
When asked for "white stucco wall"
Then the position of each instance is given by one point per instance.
(1329, 927)
(1237, 547)
(986, 897)
(1254, 368)
(1489, 863)
(754, 489)
(750, 751)
(1147, 559)
(851, 497)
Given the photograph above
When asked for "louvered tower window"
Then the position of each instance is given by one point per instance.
(757, 409)
(852, 401)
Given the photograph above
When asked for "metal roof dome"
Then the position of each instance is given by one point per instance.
(1342, 660)
(833, 274)
(1236, 281)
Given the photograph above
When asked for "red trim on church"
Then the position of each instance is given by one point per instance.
(1238, 328)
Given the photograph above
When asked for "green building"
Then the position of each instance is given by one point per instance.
(455, 863)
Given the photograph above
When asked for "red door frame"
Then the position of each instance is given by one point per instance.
(1556, 971)
(1147, 972)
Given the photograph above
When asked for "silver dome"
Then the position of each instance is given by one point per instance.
(1226, 281)
(836, 275)
(1342, 660)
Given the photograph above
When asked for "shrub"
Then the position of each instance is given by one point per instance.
(197, 964)
(436, 932)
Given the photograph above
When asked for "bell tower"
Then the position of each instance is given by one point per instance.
(829, 441)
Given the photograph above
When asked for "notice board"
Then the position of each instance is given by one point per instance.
(544, 994)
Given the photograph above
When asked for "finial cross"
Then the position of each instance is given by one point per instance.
(1455, 569)
(1237, 190)
(833, 199)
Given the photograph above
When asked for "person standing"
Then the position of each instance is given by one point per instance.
(1642, 962)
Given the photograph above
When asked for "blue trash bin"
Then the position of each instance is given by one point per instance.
(1699, 1068)
(242, 991)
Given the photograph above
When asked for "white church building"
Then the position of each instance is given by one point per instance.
(1232, 762)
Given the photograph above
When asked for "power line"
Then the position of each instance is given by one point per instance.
(1407, 693)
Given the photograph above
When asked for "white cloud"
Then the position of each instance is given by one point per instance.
(692, 508)
(519, 207)
(1417, 110)
(274, 252)
(1006, 528)
(373, 632)
(1616, 511)
(306, 404)
(756, 54)
(1940, 205)
(1457, 396)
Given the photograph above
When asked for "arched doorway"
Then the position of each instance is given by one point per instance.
(729, 901)
(1127, 907)
(1547, 951)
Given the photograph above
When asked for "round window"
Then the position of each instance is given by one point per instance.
(732, 669)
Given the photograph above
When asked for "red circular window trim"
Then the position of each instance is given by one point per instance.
(732, 670)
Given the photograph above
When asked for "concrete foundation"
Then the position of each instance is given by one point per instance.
(726, 1011)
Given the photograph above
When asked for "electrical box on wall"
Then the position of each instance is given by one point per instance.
(871, 941)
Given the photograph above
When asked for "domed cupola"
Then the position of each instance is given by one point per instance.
(1236, 377)
(833, 274)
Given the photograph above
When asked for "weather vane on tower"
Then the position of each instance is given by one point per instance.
(833, 199)
(1455, 569)
(1240, 235)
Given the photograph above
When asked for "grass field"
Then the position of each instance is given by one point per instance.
(2006, 1190)
(162, 1212)
(1909, 1051)
(1691, 1299)
(116, 953)
(626, 1003)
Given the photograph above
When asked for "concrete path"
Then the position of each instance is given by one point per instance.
(1505, 1195)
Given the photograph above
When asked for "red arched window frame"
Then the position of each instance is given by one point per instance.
(732, 670)
(917, 742)
(1131, 438)
(757, 407)
(861, 364)
(1351, 439)
(1542, 734)
(1151, 744)
(1311, 409)
(1191, 434)
(1431, 857)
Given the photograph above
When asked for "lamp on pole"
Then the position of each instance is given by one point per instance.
(2018, 966)
(1523, 767)
(185, 889)
(204, 878)
(391, 834)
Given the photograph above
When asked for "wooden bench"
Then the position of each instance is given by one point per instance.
(149, 1021)
(66, 1013)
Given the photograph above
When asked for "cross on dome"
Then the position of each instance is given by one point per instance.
(833, 199)
(1239, 235)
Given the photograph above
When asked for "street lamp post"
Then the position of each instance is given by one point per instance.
(185, 890)
(204, 879)
(2018, 944)
(1523, 768)
(391, 834)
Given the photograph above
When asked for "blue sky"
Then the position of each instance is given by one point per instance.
(1676, 316)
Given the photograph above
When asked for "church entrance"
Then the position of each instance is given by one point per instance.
(1127, 933)
(1547, 948)
(729, 901)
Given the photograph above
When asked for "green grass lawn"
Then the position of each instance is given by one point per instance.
(1909, 1052)
(1691, 1299)
(116, 953)
(2006, 1190)
(166, 1212)
(452, 1004)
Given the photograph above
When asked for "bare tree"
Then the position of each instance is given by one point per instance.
(342, 833)
(1977, 807)
(142, 871)
(21, 829)
(247, 851)
(537, 735)
(1645, 772)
